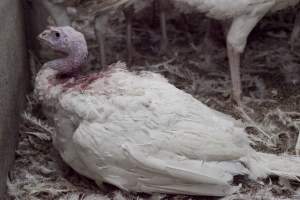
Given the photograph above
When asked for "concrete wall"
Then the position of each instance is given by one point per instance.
(13, 82)
(38, 12)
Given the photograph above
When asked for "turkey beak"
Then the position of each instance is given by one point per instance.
(41, 36)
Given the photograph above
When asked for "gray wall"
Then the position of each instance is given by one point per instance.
(13, 82)
(37, 16)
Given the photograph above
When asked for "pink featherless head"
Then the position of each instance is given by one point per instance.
(67, 40)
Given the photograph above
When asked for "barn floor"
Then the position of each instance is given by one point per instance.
(272, 103)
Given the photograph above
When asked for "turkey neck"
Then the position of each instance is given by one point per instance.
(69, 64)
(56, 72)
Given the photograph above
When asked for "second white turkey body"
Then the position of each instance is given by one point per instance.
(230, 9)
(241, 17)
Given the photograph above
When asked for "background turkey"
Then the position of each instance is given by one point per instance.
(239, 18)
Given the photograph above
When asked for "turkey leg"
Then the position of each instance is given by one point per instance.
(129, 12)
(298, 146)
(100, 24)
(209, 45)
(163, 6)
(234, 64)
(236, 41)
(296, 31)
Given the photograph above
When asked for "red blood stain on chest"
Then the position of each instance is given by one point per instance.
(78, 82)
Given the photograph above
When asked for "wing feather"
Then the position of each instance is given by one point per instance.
(144, 172)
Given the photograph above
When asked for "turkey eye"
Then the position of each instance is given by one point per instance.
(57, 34)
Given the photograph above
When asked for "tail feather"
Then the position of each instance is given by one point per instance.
(263, 164)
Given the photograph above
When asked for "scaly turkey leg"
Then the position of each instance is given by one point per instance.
(296, 31)
(234, 63)
(297, 149)
(237, 35)
(129, 12)
(209, 44)
(100, 24)
(163, 6)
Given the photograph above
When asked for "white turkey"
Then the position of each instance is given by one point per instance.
(140, 133)
(242, 15)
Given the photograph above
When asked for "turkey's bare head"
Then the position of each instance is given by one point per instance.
(67, 40)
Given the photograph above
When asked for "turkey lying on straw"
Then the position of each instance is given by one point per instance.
(140, 133)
